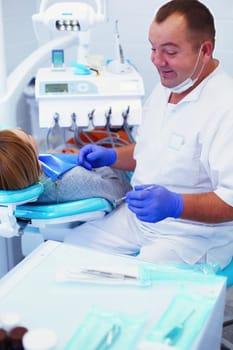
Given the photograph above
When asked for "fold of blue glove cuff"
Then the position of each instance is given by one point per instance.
(179, 207)
(114, 156)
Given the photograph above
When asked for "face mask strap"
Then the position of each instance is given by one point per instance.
(189, 82)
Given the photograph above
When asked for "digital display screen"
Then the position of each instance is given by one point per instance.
(56, 88)
(58, 58)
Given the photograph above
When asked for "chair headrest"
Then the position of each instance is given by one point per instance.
(30, 193)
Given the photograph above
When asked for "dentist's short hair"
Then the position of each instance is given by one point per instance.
(200, 21)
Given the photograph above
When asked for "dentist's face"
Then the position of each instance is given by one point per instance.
(174, 54)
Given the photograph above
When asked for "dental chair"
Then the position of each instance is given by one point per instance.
(21, 216)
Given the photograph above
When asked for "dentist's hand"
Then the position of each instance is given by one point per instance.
(153, 203)
(93, 156)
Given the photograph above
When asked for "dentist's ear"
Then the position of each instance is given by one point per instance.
(207, 48)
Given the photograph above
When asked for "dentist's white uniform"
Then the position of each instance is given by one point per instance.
(187, 148)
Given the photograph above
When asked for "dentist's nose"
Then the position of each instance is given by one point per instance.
(157, 58)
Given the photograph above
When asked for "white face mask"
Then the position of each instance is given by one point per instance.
(189, 82)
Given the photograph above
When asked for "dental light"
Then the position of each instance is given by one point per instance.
(61, 18)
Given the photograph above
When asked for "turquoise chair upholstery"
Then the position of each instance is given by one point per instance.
(54, 211)
(228, 273)
(19, 206)
(21, 196)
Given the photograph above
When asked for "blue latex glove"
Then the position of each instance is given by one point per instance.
(93, 156)
(154, 204)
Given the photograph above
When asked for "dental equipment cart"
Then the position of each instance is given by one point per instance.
(33, 290)
(65, 93)
(74, 100)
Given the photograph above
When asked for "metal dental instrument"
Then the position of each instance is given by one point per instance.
(126, 127)
(108, 274)
(72, 130)
(91, 119)
(117, 202)
(55, 135)
(108, 116)
(120, 53)
(109, 337)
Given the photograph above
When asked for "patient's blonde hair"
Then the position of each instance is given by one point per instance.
(19, 166)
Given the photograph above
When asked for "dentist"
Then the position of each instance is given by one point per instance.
(183, 152)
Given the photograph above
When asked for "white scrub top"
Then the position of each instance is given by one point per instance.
(188, 148)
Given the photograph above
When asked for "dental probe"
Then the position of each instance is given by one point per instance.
(118, 201)
(108, 274)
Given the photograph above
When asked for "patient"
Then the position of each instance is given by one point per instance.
(21, 166)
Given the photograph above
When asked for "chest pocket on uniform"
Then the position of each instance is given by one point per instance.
(181, 161)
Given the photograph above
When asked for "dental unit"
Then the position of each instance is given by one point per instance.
(106, 96)
(71, 97)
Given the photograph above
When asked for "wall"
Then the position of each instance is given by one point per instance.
(223, 13)
(20, 39)
(133, 17)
